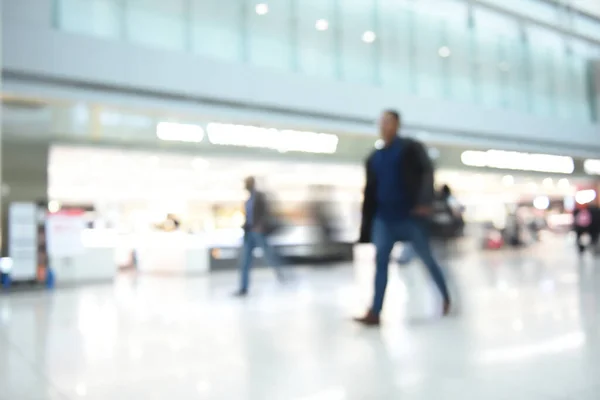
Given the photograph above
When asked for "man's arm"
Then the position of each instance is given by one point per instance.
(368, 206)
(259, 216)
(425, 192)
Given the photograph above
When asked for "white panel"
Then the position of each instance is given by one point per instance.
(101, 18)
(216, 27)
(316, 32)
(397, 38)
(358, 57)
(157, 23)
(269, 35)
(50, 54)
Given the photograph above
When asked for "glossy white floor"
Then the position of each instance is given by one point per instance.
(528, 329)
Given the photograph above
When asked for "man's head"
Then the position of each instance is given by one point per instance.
(250, 183)
(389, 125)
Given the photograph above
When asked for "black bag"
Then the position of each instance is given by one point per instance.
(444, 222)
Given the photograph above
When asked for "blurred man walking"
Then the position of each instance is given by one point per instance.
(256, 228)
(397, 204)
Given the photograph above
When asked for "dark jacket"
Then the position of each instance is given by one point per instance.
(263, 219)
(259, 212)
(416, 170)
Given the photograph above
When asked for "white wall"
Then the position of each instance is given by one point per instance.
(33, 50)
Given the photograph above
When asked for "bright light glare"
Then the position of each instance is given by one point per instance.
(517, 325)
(334, 393)
(203, 387)
(54, 206)
(369, 37)
(322, 25)
(591, 167)
(569, 203)
(81, 389)
(558, 345)
(518, 161)
(199, 163)
(541, 202)
(563, 183)
(585, 196)
(270, 138)
(508, 180)
(6, 264)
(548, 182)
(444, 52)
(262, 9)
(175, 132)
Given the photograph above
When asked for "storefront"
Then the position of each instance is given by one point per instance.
(172, 212)
(167, 196)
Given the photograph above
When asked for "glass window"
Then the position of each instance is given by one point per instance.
(315, 37)
(543, 47)
(513, 71)
(501, 70)
(217, 29)
(536, 9)
(428, 59)
(269, 35)
(157, 23)
(581, 108)
(397, 45)
(458, 66)
(488, 58)
(562, 83)
(101, 18)
(541, 105)
(358, 41)
(587, 26)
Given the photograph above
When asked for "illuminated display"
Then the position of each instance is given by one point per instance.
(175, 132)
(270, 138)
(591, 167)
(513, 160)
(283, 140)
(585, 196)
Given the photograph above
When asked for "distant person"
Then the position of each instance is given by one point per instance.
(587, 222)
(398, 200)
(447, 220)
(256, 229)
(320, 209)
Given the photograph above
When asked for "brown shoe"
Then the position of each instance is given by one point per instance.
(446, 308)
(370, 319)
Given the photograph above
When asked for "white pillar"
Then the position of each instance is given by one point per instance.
(595, 89)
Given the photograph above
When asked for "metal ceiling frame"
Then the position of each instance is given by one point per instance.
(525, 20)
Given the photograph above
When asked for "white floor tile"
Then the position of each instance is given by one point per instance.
(528, 330)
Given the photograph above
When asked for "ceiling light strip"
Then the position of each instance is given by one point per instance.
(270, 138)
(512, 160)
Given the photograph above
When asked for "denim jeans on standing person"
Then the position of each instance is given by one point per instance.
(251, 241)
(411, 230)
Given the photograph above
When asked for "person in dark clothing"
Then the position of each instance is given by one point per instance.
(256, 229)
(320, 209)
(587, 221)
(398, 200)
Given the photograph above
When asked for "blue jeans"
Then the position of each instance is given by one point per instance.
(385, 235)
(251, 241)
